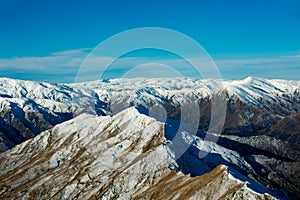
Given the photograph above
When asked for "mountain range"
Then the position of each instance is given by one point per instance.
(174, 138)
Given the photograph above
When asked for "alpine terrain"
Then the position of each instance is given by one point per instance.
(160, 138)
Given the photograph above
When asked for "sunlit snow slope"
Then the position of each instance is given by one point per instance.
(254, 105)
(121, 157)
(259, 144)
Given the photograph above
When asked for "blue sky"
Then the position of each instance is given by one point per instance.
(47, 40)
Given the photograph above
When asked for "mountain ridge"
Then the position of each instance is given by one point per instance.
(253, 136)
(99, 173)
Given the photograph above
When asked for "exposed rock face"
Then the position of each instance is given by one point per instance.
(288, 129)
(275, 162)
(120, 157)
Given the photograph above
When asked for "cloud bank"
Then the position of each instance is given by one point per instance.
(62, 67)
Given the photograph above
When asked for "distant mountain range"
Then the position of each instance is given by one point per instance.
(106, 139)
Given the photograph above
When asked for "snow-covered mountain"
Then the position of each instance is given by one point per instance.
(121, 157)
(253, 105)
(259, 142)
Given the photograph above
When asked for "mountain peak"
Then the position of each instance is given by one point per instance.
(92, 156)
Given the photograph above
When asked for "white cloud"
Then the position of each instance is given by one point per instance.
(63, 66)
(286, 67)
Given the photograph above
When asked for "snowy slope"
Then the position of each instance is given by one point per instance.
(27, 107)
(254, 106)
(249, 89)
(121, 157)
